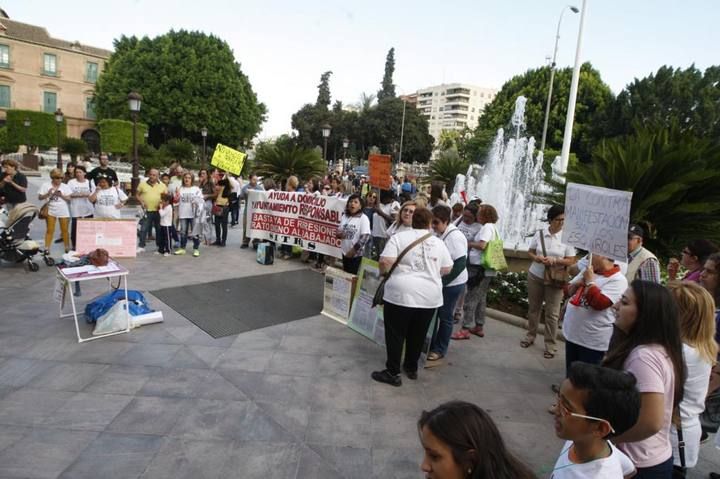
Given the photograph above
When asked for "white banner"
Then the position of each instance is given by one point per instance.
(597, 220)
(296, 219)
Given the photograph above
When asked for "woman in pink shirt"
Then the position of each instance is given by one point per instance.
(647, 344)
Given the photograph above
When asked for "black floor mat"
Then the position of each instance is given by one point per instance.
(224, 308)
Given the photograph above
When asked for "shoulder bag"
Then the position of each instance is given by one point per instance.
(494, 254)
(44, 210)
(555, 276)
(380, 292)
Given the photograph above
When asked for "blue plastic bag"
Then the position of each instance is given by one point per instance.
(102, 304)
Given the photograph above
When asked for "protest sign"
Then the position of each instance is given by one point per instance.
(337, 297)
(597, 220)
(117, 236)
(228, 159)
(364, 318)
(380, 170)
(297, 219)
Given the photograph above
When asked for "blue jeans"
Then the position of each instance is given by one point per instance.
(152, 220)
(441, 339)
(575, 352)
(186, 226)
(664, 470)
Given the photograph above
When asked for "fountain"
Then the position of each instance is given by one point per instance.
(508, 180)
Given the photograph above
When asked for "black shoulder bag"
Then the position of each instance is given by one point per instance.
(380, 292)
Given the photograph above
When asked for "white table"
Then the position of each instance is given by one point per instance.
(68, 279)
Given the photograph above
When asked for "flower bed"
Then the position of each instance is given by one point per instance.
(508, 293)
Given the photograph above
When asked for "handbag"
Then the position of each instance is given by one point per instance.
(380, 291)
(218, 210)
(44, 211)
(556, 277)
(494, 254)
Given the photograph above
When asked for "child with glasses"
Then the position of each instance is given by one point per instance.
(594, 404)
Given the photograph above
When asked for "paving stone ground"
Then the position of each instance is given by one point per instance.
(289, 401)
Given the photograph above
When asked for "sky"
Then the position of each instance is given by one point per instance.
(285, 45)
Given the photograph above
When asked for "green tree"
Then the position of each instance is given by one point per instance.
(687, 100)
(181, 150)
(593, 103)
(387, 89)
(382, 125)
(673, 176)
(116, 136)
(5, 145)
(42, 132)
(323, 99)
(188, 80)
(283, 158)
(74, 147)
(447, 166)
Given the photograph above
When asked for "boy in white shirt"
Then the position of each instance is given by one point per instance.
(594, 404)
(166, 218)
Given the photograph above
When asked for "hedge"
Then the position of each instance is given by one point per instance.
(41, 133)
(116, 136)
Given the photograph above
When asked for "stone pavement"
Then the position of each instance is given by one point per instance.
(288, 401)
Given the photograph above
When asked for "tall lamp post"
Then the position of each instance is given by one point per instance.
(346, 143)
(58, 121)
(402, 132)
(552, 75)
(203, 132)
(326, 129)
(134, 104)
(27, 124)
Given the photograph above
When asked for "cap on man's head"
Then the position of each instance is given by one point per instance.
(636, 230)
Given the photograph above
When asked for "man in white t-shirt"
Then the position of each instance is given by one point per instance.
(594, 404)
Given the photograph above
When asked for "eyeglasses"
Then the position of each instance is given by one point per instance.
(564, 412)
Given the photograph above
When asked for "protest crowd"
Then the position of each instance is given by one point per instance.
(640, 355)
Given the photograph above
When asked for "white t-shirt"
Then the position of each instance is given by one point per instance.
(105, 202)
(486, 233)
(81, 206)
(553, 247)
(353, 228)
(394, 228)
(457, 247)
(188, 194)
(416, 282)
(616, 466)
(379, 227)
(165, 215)
(469, 230)
(58, 207)
(234, 185)
(589, 327)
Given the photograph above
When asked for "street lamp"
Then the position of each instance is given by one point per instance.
(27, 124)
(552, 75)
(58, 121)
(346, 143)
(326, 129)
(134, 104)
(203, 132)
(402, 131)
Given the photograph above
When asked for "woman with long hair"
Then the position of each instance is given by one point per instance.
(354, 231)
(461, 441)
(647, 344)
(207, 187)
(696, 310)
(221, 207)
(404, 219)
(187, 197)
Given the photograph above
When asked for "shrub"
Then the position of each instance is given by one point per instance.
(116, 136)
(42, 131)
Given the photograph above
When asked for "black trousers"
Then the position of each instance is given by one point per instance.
(221, 226)
(351, 265)
(73, 229)
(405, 327)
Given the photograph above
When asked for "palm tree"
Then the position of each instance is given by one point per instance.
(366, 101)
(284, 159)
(446, 168)
(674, 178)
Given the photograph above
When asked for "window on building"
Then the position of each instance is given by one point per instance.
(49, 101)
(473, 109)
(90, 108)
(4, 96)
(91, 72)
(4, 56)
(50, 64)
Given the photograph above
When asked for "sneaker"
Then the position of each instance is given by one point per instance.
(166, 254)
(704, 436)
(180, 251)
(387, 377)
(140, 250)
(478, 331)
(461, 334)
(196, 253)
(157, 252)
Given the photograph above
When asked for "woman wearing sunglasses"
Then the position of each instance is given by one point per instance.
(57, 194)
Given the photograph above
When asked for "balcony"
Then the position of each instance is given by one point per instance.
(456, 108)
(457, 99)
(458, 91)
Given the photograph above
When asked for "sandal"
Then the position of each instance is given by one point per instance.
(433, 356)
(548, 355)
(478, 331)
(525, 343)
(461, 334)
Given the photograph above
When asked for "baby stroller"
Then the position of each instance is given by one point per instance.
(15, 245)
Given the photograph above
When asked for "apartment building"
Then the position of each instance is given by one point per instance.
(453, 106)
(42, 73)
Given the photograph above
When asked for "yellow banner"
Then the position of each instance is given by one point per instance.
(225, 158)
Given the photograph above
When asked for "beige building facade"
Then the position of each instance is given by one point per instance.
(41, 73)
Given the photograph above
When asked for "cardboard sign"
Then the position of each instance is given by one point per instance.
(597, 220)
(365, 319)
(117, 236)
(228, 159)
(380, 171)
(337, 297)
(296, 219)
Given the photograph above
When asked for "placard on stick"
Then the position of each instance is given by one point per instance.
(380, 170)
(228, 159)
(117, 236)
(597, 220)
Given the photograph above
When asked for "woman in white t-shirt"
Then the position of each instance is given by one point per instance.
(647, 344)
(696, 310)
(412, 294)
(354, 231)
(80, 205)
(187, 198)
(555, 255)
(479, 278)
(108, 199)
(57, 194)
(386, 211)
(404, 219)
(453, 282)
(468, 226)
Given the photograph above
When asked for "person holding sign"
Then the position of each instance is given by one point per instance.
(642, 264)
(354, 232)
(188, 197)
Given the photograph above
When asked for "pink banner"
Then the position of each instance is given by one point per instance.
(118, 237)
